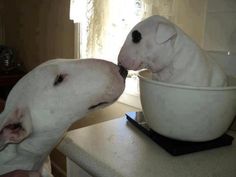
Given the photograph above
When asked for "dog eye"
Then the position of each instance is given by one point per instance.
(59, 79)
(136, 36)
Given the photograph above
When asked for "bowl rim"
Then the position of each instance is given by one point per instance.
(183, 86)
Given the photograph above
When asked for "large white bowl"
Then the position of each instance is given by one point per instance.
(185, 112)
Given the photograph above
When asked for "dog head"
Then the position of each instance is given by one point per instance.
(149, 45)
(56, 93)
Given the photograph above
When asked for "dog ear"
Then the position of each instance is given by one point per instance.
(165, 31)
(16, 127)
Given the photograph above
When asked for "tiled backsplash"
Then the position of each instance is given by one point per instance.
(190, 16)
(211, 23)
(221, 6)
(220, 28)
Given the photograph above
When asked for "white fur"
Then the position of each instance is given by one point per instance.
(170, 54)
(46, 110)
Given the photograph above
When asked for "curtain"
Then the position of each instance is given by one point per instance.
(104, 24)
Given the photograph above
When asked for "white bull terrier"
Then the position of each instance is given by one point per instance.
(157, 44)
(44, 103)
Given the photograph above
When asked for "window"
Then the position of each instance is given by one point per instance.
(104, 26)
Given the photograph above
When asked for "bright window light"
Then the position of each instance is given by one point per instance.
(120, 17)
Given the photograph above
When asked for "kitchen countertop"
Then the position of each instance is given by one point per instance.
(117, 149)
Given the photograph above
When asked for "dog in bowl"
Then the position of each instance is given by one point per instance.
(173, 57)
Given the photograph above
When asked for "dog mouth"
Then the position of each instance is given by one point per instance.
(104, 103)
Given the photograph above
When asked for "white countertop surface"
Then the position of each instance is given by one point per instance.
(117, 149)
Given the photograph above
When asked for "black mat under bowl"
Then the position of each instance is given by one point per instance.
(176, 147)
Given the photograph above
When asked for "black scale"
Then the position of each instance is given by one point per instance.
(173, 146)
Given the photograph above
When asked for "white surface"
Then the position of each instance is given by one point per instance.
(117, 149)
(186, 112)
(73, 170)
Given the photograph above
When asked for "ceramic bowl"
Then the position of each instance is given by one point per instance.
(185, 112)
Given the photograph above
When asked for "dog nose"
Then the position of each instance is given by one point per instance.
(123, 71)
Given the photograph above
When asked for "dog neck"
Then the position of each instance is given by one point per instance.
(31, 152)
